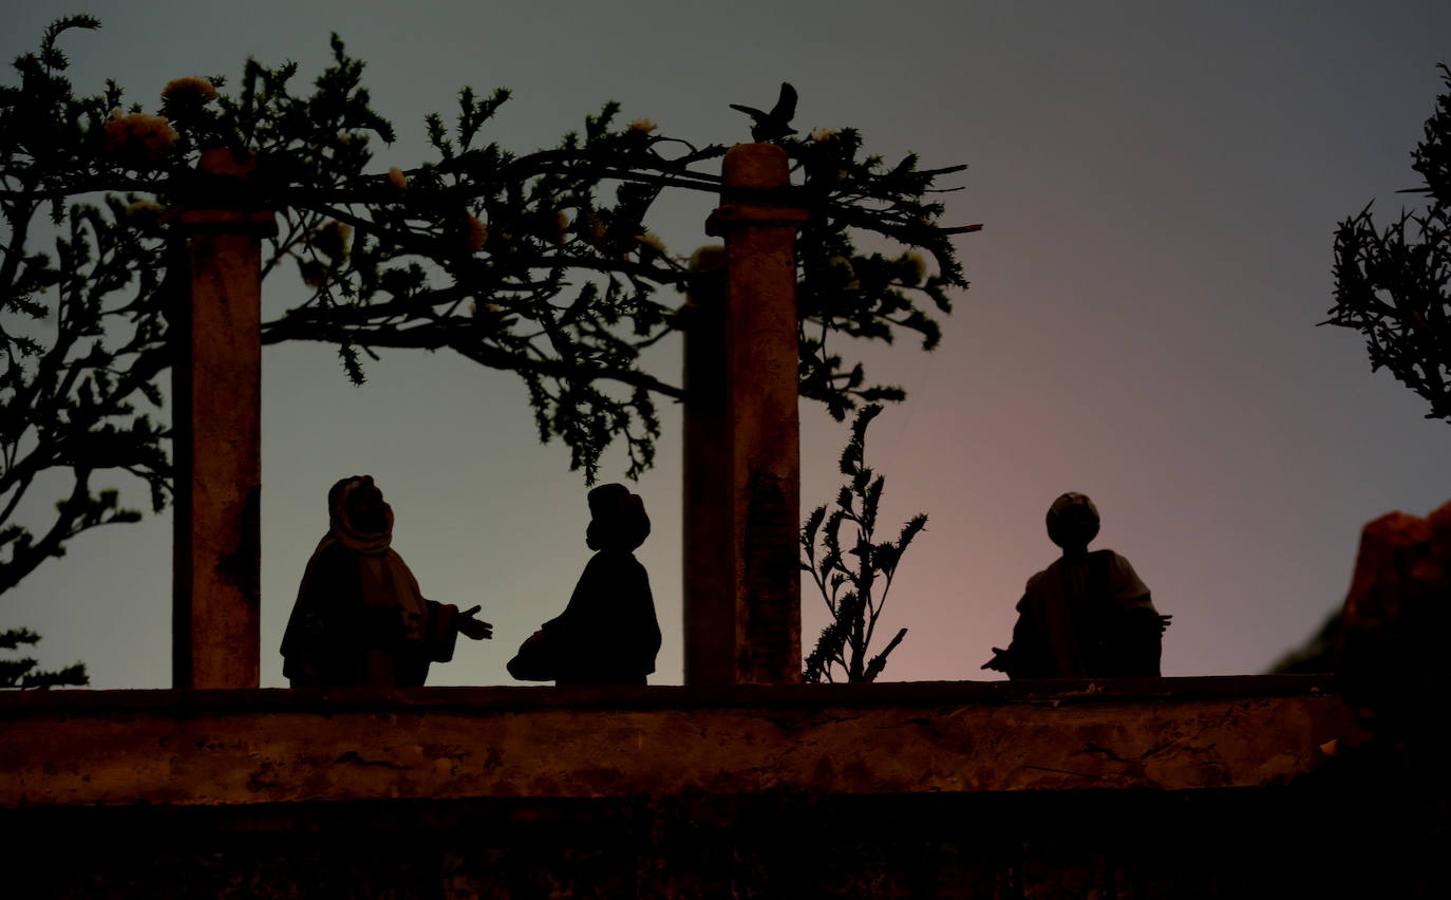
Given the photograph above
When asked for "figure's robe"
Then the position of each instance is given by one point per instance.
(1086, 616)
(360, 621)
(607, 634)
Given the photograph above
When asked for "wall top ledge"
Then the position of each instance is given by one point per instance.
(486, 700)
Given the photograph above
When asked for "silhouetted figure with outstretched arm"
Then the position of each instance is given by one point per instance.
(1085, 616)
(360, 620)
(608, 633)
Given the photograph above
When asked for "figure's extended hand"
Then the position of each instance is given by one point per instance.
(999, 662)
(1164, 622)
(470, 627)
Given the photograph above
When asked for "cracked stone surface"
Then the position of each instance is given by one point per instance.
(1219, 787)
(295, 747)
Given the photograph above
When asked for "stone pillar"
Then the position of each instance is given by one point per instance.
(742, 436)
(216, 420)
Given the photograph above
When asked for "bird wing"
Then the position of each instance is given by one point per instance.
(750, 111)
(785, 109)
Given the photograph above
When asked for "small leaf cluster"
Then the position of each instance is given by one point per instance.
(1393, 284)
(25, 672)
(846, 293)
(853, 571)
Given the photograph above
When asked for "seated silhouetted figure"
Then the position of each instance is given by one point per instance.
(1085, 616)
(608, 633)
(360, 620)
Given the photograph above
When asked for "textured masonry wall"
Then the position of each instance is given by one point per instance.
(278, 746)
(1217, 787)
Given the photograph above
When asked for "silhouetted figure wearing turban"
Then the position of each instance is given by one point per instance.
(360, 620)
(608, 633)
(1087, 615)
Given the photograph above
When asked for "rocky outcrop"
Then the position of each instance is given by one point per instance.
(1397, 616)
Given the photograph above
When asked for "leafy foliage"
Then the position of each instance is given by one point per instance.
(71, 407)
(854, 592)
(1394, 284)
(535, 263)
(24, 673)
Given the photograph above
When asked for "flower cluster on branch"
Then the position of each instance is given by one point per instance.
(537, 263)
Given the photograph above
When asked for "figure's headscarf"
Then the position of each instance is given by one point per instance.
(362, 523)
(1072, 521)
(344, 526)
(617, 518)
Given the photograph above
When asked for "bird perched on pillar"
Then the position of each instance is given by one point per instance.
(767, 126)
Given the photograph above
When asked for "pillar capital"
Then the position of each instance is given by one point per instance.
(755, 191)
(259, 222)
(222, 197)
(755, 167)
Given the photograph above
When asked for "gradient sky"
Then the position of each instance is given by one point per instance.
(1159, 188)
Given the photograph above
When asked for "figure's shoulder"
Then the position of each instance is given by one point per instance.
(611, 563)
(1035, 582)
(1054, 569)
(634, 563)
(395, 561)
(1105, 556)
(1122, 577)
(1112, 559)
(617, 569)
(331, 553)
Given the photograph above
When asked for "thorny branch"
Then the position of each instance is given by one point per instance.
(538, 263)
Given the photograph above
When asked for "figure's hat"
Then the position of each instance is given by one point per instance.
(618, 516)
(1072, 520)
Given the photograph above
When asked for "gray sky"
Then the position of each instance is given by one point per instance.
(1159, 184)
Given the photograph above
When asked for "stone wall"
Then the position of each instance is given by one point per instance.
(1174, 787)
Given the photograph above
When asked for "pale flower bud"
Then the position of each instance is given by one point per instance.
(478, 234)
(190, 89)
(650, 244)
(139, 137)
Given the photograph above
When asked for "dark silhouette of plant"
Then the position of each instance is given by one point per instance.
(536, 263)
(854, 593)
(1392, 284)
(23, 672)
